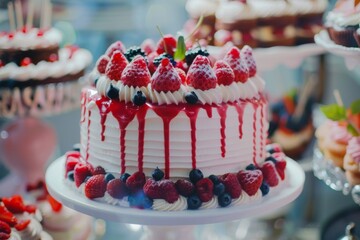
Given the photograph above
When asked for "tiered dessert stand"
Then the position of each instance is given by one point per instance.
(178, 225)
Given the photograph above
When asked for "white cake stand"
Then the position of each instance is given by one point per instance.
(69, 197)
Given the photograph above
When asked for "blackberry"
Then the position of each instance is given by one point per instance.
(159, 58)
(191, 54)
(271, 158)
(134, 51)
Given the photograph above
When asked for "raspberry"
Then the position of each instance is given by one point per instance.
(163, 189)
(232, 185)
(270, 173)
(132, 52)
(182, 75)
(165, 78)
(70, 164)
(136, 181)
(98, 170)
(224, 73)
(192, 53)
(117, 189)
(239, 67)
(184, 187)
(22, 225)
(136, 74)
(250, 181)
(148, 45)
(4, 228)
(247, 55)
(55, 205)
(95, 187)
(14, 204)
(200, 74)
(116, 46)
(166, 44)
(101, 63)
(116, 66)
(81, 171)
(280, 167)
(204, 189)
(7, 216)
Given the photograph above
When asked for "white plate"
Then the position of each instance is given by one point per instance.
(71, 198)
(351, 55)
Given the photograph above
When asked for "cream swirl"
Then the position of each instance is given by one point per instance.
(103, 85)
(229, 12)
(169, 97)
(126, 93)
(209, 96)
(79, 60)
(258, 82)
(339, 133)
(213, 203)
(14, 236)
(163, 205)
(33, 231)
(248, 90)
(31, 40)
(266, 8)
(309, 6)
(243, 199)
(196, 8)
(353, 149)
(230, 93)
(342, 20)
(113, 201)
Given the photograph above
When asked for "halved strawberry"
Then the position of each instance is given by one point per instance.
(101, 63)
(81, 171)
(166, 44)
(14, 204)
(70, 164)
(165, 77)
(280, 167)
(238, 65)
(224, 74)
(55, 205)
(200, 74)
(116, 66)
(136, 73)
(22, 224)
(270, 173)
(116, 46)
(250, 180)
(95, 186)
(247, 55)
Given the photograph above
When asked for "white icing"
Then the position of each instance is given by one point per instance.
(43, 70)
(213, 203)
(230, 93)
(126, 93)
(246, 199)
(232, 11)
(209, 96)
(248, 89)
(167, 97)
(258, 82)
(270, 8)
(163, 205)
(30, 40)
(33, 231)
(196, 8)
(309, 6)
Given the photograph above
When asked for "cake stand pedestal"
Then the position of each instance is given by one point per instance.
(173, 223)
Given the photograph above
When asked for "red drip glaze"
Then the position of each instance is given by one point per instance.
(255, 105)
(240, 110)
(261, 128)
(192, 113)
(222, 112)
(141, 137)
(104, 110)
(83, 104)
(88, 137)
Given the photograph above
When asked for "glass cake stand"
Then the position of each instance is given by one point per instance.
(350, 55)
(333, 176)
(161, 225)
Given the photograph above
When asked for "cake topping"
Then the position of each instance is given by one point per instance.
(148, 45)
(159, 58)
(139, 98)
(250, 181)
(224, 200)
(134, 51)
(184, 187)
(116, 46)
(200, 74)
(158, 174)
(191, 54)
(136, 181)
(232, 185)
(116, 66)
(182, 75)
(193, 202)
(101, 63)
(247, 55)
(195, 175)
(95, 186)
(239, 67)
(224, 73)
(81, 171)
(191, 98)
(166, 44)
(163, 189)
(136, 73)
(204, 189)
(117, 189)
(165, 78)
(113, 92)
(270, 173)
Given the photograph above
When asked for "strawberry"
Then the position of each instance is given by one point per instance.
(224, 73)
(136, 74)
(163, 189)
(81, 171)
(250, 180)
(7, 216)
(99, 170)
(14, 204)
(4, 236)
(22, 224)
(101, 63)
(116, 46)
(239, 67)
(165, 78)
(95, 187)
(182, 75)
(55, 205)
(232, 185)
(30, 208)
(204, 189)
(116, 66)
(200, 74)
(136, 181)
(4, 228)
(148, 45)
(280, 167)
(270, 173)
(184, 187)
(75, 154)
(152, 67)
(182, 65)
(247, 55)
(117, 189)
(70, 164)
(166, 44)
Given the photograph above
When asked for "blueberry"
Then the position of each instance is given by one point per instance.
(191, 98)
(271, 158)
(264, 188)
(214, 179)
(95, 82)
(139, 98)
(250, 167)
(76, 147)
(124, 177)
(109, 177)
(224, 200)
(133, 51)
(219, 189)
(70, 176)
(157, 174)
(147, 202)
(139, 200)
(113, 92)
(193, 202)
(195, 175)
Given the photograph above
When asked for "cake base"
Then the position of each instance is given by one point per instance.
(273, 201)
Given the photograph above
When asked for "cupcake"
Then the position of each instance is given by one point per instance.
(352, 161)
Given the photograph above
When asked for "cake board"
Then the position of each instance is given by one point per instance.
(168, 222)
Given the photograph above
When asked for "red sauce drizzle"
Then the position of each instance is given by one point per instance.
(83, 100)
(240, 110)
(255, 105)
(141, 136)
(88, 137)
(222, 113)
(261, 128)
(192, 113)
(104, 109)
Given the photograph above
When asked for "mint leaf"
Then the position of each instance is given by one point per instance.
(351, 129)
(355, 107)
(180, 48)
(334, 112)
